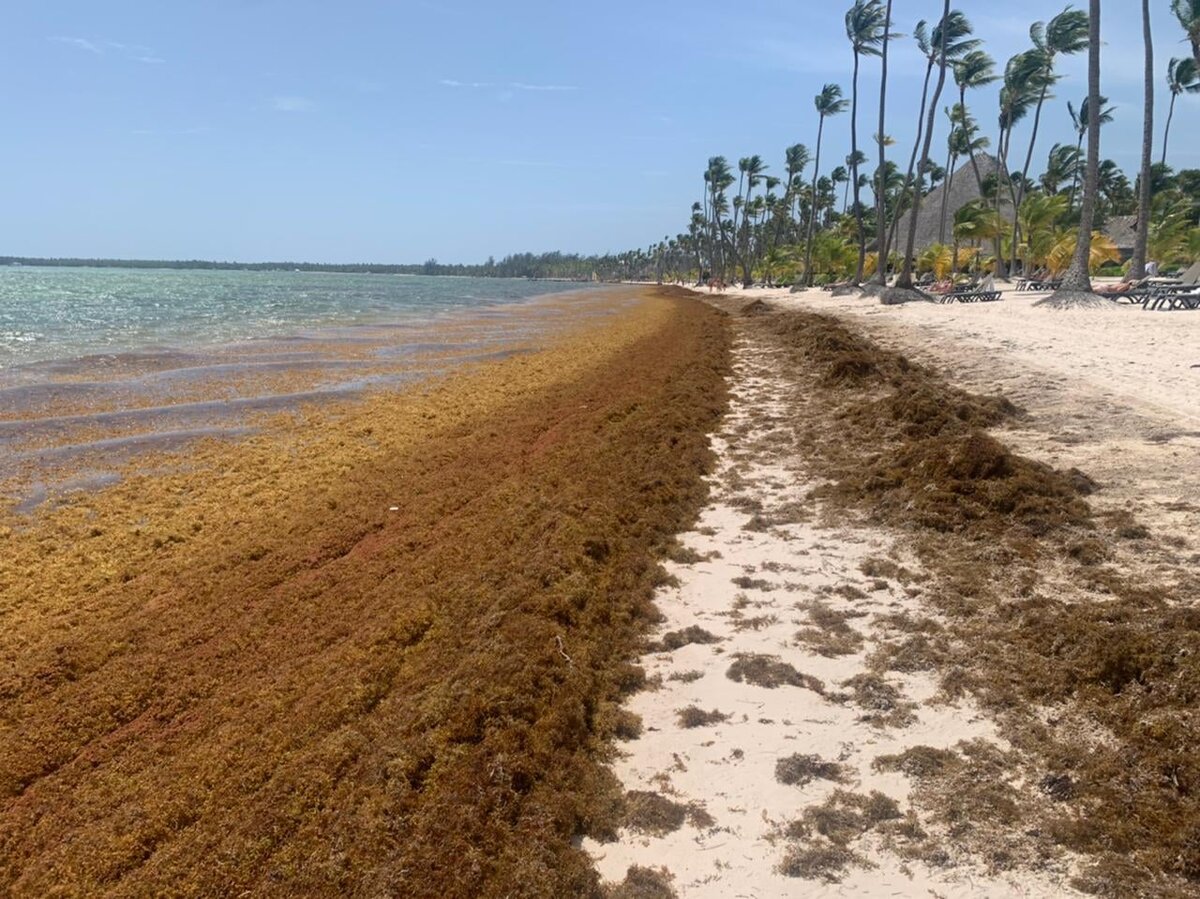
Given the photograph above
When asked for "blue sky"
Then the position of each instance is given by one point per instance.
(396, 131)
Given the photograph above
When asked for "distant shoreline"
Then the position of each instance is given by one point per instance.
(430, 269)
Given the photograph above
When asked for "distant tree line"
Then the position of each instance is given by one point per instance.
(630, 265)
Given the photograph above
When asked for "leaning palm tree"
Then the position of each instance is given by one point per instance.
(1188, 14)
(958, 44)
(881, 273)
(905, 281)
(1018, 95)
(1183, 77)
(1076, 289)
(1137, 267)
(1079, 120)
(828, 103)
(864, 29)
(1064, 35)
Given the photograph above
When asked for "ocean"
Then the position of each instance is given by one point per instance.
(101, 367)
(57, 313)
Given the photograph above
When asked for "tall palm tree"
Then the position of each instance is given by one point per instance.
(880, 138)
(864, 29)
(905, 280)
(1076, 289)
(1183, 77)
(795, 161)
(1079, 119)
(1137, 268)
(1063, 35)
(1018, 95)
(828, 103)
(958, 44)
(974, 69)
(1188, 14)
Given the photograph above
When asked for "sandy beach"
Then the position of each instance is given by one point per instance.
(825, 641)
(922, 624)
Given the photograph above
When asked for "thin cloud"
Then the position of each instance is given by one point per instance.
(291, 104)
(78, 42)
(135, 52)
(507, 86)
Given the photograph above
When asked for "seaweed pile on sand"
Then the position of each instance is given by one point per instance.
(1087, 660)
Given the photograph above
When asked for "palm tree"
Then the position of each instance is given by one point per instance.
(976, 222)
(1183, 77)
(1063, 165)
(828, 103)
(1188, 14)
(1079, 119)
(961, 142)
(750, 175)
(1065, 34)
(717, 179)
(1076, 289)
(864, 29)
(880, 138)
(858, 157)
(905, 280)
(1018, 95)
(1137, 268)
(958, 45)
(795, 161)
(840, 176)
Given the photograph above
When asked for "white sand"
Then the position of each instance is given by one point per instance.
(729, 768)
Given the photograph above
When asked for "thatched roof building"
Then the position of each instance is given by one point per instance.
(1122, 231)
(963, 188)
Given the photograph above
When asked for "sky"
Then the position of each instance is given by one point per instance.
(402, 130)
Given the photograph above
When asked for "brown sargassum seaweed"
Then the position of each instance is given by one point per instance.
(379, 654)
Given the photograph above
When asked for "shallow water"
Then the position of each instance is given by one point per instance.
(54, 313)
(130, 362)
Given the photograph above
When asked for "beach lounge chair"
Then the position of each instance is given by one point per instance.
(1168, 299)
(979, 296)
(1192, 275)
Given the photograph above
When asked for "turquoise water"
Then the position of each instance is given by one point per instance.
(56, 313)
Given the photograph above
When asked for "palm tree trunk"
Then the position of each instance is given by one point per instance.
(1075, 176)
(1167, 132)
(951, 161)
(858, 217)
(1077, 279)
(1138, 268)
(1020, 188)
(905, 280)
(912, 160)
(812, 205)
(1002, 179)
(881, 247)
